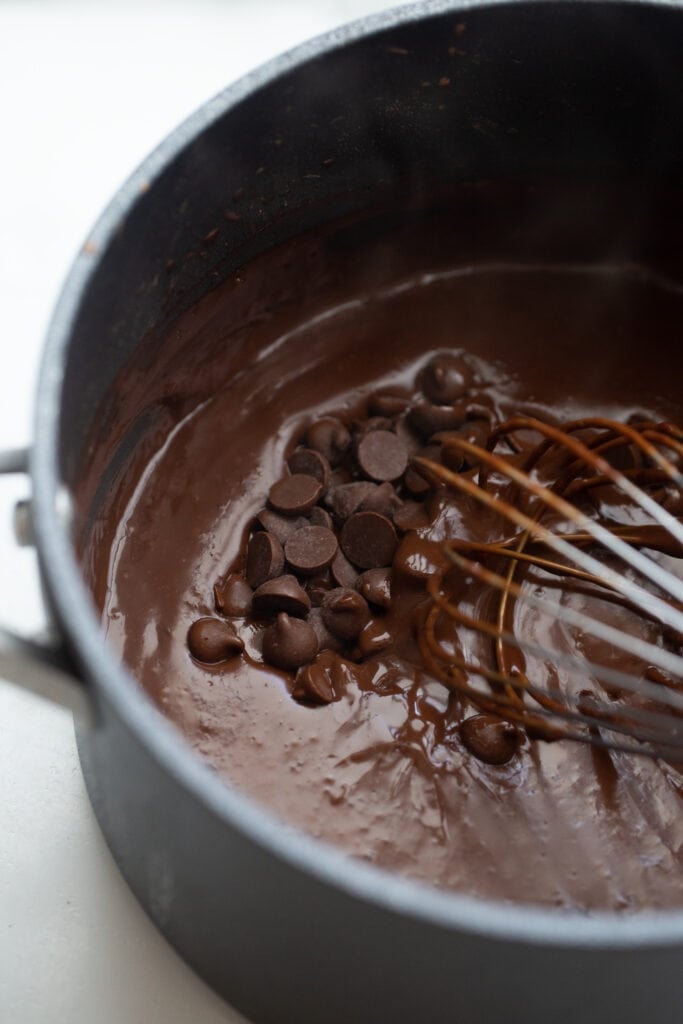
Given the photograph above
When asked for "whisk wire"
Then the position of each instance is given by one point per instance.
(601, 714)
(656, 730)
(648, 652)
(649, 569)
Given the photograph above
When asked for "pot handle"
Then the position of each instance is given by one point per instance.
(40, 668)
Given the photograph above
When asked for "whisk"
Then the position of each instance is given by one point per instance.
(546, 482)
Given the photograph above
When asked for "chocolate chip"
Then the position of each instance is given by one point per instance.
(320, 517)
(416, 483)
(388, 403)
(364, 427)
(322, 681)
(430, 470)
(265, 558)
(429, 419)
(445, 378)
(310, 463)
(454, 457)
(326, 641)
(296, 494)
(374, 637)
(330, 437)
(340, 475)
(311, 549)
(634, 418)
(415, 479)
(284, 594)
(345, 612)
(343, 573)
(313, 683)
(375, 586)
(382, 455)
(418, 558)
(489, 738)
(289, 643)
(451, 456)
(412, 515)
(318, 586)
(368, 540)
(281, 527)
(476, 432)
(233, 596)
(213, 640)
(382, 499)
(480, 411)
(348, 498)
(408, 435)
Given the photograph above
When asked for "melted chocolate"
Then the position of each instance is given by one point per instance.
(372, 756)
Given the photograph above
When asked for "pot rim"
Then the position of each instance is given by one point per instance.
(529, 924)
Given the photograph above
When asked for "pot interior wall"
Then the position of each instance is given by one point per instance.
(559, 92)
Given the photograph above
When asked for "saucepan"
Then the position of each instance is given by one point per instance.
(285, 927)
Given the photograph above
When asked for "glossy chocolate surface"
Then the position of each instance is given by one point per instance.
(369, 756)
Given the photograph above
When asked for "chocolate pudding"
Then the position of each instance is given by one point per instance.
(261, 550)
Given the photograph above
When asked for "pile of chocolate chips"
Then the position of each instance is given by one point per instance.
(317, 568)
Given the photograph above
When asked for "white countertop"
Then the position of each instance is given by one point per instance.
(87, 90)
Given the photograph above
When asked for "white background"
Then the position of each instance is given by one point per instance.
(86, 90)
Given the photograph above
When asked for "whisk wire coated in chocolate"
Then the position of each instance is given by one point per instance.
(537, 485)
